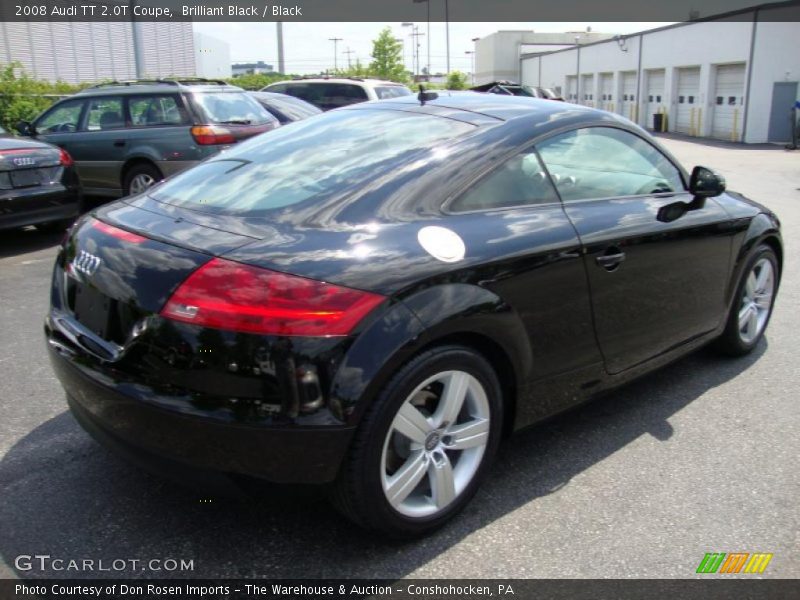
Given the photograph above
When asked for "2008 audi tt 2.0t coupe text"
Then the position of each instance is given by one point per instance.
(373, 297)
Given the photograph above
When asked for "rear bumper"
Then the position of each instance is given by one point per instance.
(191, 443)
(19, 208)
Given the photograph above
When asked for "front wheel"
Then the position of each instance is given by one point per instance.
(752, 307)
(424, 446)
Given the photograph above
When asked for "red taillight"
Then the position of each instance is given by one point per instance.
(66, 159)
(227, 295)
(207, 135)
(116, 232)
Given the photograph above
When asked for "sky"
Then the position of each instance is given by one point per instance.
(307, 48)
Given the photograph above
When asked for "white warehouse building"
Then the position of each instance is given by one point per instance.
(733, 77)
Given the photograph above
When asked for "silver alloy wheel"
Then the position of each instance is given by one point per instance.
(141, 182)
(435, 444)
(759, 290)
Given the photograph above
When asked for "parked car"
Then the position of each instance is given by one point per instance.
(38, 185)
(125, 136)
(330, 93)
(286, 109)
(509, 88)
(374, 297)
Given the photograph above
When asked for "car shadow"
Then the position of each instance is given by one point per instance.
(24, 241)
(29, 239)
(67, 497)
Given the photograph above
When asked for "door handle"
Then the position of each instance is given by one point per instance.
(611, 259)
(119, 143)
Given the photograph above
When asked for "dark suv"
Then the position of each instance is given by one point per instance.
(125, 136)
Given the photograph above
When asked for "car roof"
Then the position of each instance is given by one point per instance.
(158, 86)
(501, 107)
(351, 80)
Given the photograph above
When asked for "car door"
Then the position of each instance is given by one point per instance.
(60, 123)
(514, 215)
(657, 275)
(99, 144)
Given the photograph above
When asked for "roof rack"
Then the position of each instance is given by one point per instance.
(162, 81)
(302, 77)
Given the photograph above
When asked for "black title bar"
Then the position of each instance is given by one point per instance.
(394, 10)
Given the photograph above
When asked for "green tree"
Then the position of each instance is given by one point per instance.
(387, 57)
(22, 98)
(456, 80)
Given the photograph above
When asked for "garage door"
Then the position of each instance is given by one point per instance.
(572, 89)
(688, 100)
(628, 101)
(728, 102)
(606, 91)
(587, 90)
(655, 94)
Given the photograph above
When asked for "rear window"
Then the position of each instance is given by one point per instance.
(391, 91)
(326, 96)
(309, 161)
(231, 108)
(292, 108)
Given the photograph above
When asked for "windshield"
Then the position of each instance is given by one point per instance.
(232, 108)
(391, 91)
(307, 161)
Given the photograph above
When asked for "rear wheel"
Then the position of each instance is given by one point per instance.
(752, 308)
(140, 177)
(425, 444)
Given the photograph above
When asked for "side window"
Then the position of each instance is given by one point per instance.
(152, 111)
(61, 118)
(105, 113)
(520, 181)
(603, 162)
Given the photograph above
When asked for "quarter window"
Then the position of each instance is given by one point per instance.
(61, 118)
(520, 181)
(603, 162)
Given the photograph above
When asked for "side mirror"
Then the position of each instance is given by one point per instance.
(705, 183)
(25, 128)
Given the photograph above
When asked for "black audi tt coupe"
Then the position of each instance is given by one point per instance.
(38, 185)
(373, 297)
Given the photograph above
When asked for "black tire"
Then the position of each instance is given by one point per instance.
(730, 342)
(140, 170)
(55, 226)
(358, 492)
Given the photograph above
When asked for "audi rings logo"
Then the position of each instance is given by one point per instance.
(23, 161)
(86, 263)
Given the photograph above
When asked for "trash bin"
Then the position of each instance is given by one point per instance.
(658, 122)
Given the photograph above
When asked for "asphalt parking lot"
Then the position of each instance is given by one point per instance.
(698, 457)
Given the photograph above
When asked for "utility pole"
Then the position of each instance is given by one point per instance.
(447, 33)
(335, 41)
(349, 52)
(281, 65)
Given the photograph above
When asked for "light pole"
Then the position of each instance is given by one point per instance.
(577, 71)
(472, 64)
(335, 41)
(349, 52)
(281, 65)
